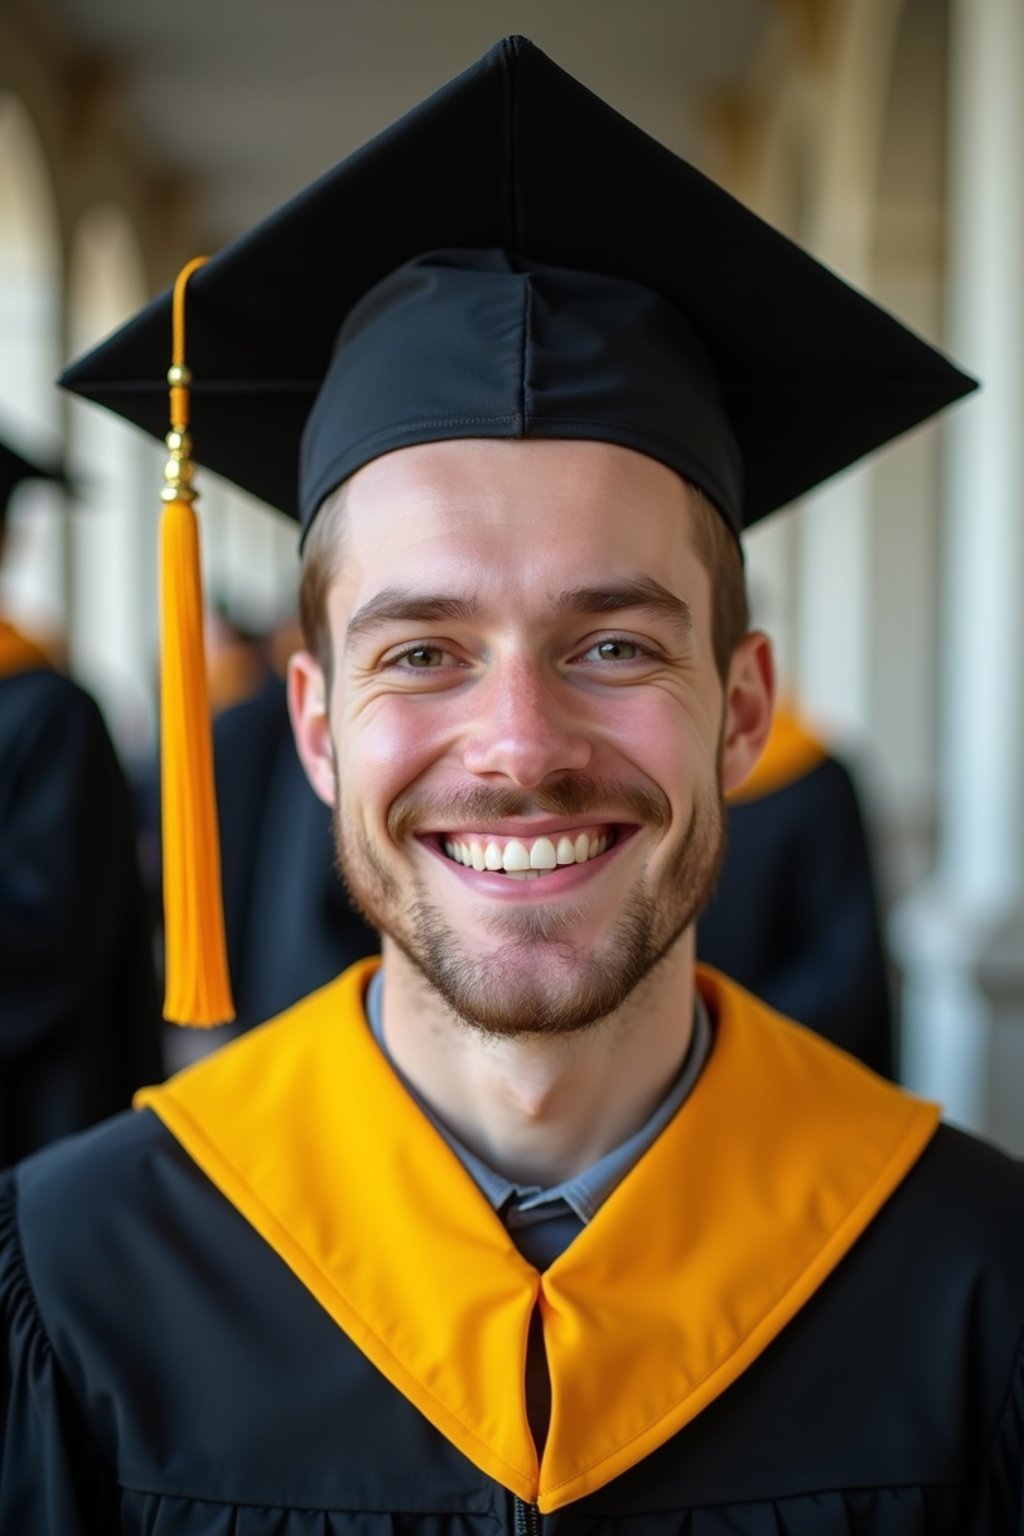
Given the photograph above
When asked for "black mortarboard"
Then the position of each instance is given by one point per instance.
(584, 282)
(14, 468)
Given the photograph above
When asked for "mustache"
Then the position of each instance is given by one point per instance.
(576, 796)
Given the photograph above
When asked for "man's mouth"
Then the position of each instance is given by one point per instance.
(522, 858)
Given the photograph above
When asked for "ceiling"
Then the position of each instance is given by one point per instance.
(247, 100)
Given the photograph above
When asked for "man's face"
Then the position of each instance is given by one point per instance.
(526, 721)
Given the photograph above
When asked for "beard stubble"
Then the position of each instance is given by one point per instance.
(536, 980)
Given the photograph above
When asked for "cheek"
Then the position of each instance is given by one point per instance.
(387, 746)
(672, 743)
(397, 741)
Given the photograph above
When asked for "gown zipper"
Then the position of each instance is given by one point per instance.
(527, 1519)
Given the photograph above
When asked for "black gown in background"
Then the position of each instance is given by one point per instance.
(795, 915)
(79, 1015)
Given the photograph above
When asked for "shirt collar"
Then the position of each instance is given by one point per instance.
(585, 1192)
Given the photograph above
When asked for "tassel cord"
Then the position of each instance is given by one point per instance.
(198, 989)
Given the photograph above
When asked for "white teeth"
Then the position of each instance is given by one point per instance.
(515, 856)
(542, 854)
(527, 860)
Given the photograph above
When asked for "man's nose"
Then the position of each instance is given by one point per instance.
(523, 730)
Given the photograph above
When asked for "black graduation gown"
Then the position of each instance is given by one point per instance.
(79, 1014)
(169, 1374)
(795, 915)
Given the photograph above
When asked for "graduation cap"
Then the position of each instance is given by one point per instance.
(513, 258)
(14, 468)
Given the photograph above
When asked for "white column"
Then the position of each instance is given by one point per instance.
(835, 525)
(251, 556)
(985, 587)
(962, 936)
(833, 659)
(772, 556)
(834, 627)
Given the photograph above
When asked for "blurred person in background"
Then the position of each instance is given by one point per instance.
(290, 925)
(237, 659)
(794, 916)
(79, 1015)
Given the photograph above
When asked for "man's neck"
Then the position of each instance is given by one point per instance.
(540, 1109)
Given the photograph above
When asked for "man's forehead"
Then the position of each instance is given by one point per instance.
(570, 487)
(547, 515)
(511, 522)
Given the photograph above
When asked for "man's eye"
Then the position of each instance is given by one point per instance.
(422, 657)
(616, 650)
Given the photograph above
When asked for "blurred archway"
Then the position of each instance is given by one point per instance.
(35, 576)
(117, 474)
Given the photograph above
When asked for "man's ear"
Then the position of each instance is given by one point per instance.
(311, 726)
(749, 695)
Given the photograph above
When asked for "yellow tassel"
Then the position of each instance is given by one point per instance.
(198, 990)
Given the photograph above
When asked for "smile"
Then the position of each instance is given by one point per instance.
(528, 858)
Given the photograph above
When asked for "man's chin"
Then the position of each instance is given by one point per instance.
(518, 1001)
(536, 983)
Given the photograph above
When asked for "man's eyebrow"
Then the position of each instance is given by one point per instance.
(632, 592)
(396, 605)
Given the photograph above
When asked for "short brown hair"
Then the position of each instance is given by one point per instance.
(718, 550)
(714, 543)
(321, 559)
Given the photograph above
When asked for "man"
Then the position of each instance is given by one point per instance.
(79, 1021)
(530, 1227)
